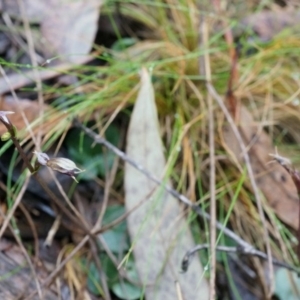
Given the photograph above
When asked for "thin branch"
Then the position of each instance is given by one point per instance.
(100, 140)
(238, 250)
(92, 241)
(66, 198)
(17, 201)
(100, 270)
(11, 130)
(32, 170)
(205, 65)
(34, 62)
(246, 157)
(16, 81)
(243, 246)
(16, 99)
(53, 230)
(96, 230)
(19, 241)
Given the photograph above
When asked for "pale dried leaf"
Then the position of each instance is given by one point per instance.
(16, 277)
(70, 27)
(35, 10)
(275, 182)
(158, 229)
(269, 23)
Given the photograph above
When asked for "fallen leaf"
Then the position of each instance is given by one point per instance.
(274, 182)
(19, 80)
(17, 278)
(266, 24)
(158, 229)
(35, 10)
(69, 28)
(31, 111)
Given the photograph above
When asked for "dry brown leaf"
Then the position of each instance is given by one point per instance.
(31, 111)
(274, 182)
(30, 108)
(69, 28)
(158, 229)
(269, 23)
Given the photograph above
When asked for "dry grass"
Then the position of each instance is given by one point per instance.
(267, 84)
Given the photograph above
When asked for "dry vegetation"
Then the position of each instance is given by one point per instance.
(199, 56)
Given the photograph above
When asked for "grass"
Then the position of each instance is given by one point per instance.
(267, 84)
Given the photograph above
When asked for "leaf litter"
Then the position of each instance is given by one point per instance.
(274, 182)
(160, 222)
(68, 28)
(64, 27)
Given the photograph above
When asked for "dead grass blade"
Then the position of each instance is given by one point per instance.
(205, 64)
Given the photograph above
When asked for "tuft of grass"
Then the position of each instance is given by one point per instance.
(172, 53)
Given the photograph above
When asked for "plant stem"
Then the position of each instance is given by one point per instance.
(32, 170)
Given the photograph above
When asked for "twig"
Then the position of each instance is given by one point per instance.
(205, 63)
(120, 219)
(244, 246)
(51, 233)
(16, 99)
(96, 230)
(99, 140)
(32, 226)
(178, 291)
(20, 80)
(26, 214)
(19, 241)
(102, 275)
(17, 201)
(32, 170)
(238, 250)
(14, 35)
(66, 198)
(93, 241)
(12, 135)
(12, 132)
(246, 157)
(34, 62)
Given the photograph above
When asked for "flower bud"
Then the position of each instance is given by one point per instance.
(5, 136)
(64, 165)
(42, 158)
(3, 117)
(59, 164)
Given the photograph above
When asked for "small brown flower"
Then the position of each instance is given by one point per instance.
(64, 165)
(59, 164)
